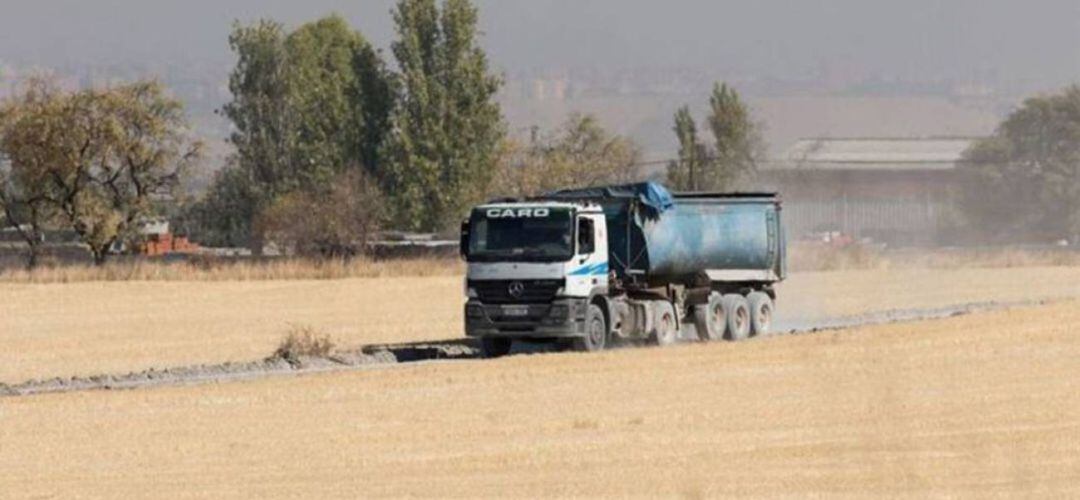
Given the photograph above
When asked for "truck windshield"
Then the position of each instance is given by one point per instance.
(537, 234)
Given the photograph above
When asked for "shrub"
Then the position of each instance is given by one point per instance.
(335, 224)
(304, 341)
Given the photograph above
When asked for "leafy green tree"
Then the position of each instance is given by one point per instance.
(581, 153)
(730, 162)
(686, 173)
(224, 214)
(24, 198)
(264, 130)
(24, 203)
(341, 94)
(1024, 181)
(306, 106)
(440, 155)
(737, 137)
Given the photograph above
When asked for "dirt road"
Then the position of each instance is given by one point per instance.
(84, 329)
(987, 404)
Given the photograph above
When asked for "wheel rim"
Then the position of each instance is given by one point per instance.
(667, 325)
(764, 317)
(717, 319)
(741, 318)
(596, 332)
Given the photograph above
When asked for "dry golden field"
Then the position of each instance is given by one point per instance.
(217, 269)
(86, 328)
(979, 405)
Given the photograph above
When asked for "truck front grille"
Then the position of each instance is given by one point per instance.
(528, 291)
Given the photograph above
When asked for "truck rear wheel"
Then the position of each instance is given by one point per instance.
(495, 347)
(596, 334)
(710, 319)
(737, 309)
(666, 327)
(761, 313)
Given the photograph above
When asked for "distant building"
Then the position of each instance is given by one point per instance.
(153, 226)
(898, 191)
(156, 240)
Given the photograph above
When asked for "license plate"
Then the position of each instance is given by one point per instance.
(516, 311)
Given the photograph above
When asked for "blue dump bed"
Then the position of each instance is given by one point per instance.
(656, 237)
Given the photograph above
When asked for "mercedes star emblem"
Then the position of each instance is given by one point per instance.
(516, 289)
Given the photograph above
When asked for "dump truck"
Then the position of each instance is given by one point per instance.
(630, 263)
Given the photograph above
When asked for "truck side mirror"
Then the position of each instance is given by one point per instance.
(586, 237)
(463, 245)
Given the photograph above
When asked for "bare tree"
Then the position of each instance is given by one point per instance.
(334, 224)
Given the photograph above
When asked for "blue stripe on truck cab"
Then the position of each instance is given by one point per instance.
(598, 269)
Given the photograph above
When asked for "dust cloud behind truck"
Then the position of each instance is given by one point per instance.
(632, 263)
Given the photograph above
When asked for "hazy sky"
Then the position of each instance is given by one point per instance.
(1034, 41)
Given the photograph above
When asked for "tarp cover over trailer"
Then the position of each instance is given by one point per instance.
(657, 237)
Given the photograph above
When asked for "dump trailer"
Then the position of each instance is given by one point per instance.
(632, 263)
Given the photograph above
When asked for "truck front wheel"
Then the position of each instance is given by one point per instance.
(495, 347)
(596, 334)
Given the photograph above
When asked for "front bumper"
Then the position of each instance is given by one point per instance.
(562, 318)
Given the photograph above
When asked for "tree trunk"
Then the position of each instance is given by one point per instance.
(257, 237)
(33, 236)
(32, 258)
(99, 254)
(256, 242)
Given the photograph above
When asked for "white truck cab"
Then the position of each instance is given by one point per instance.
(532, 269)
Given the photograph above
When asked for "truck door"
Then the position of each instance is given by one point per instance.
(589, 267)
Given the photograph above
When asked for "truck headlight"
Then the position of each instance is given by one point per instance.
(559, 311)
(474, 312)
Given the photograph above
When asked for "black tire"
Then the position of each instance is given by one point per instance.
(596, 333)
(665, 326)
(737, 309)
(710, 320)
(495, 347)
(761, 314)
